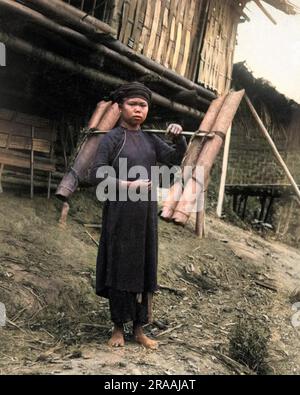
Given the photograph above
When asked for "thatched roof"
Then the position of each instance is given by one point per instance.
(284, 5)
(263, 93)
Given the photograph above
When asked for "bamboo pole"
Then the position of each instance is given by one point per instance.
(183, 133)
(207, 157)
(100, 109)
(73, 16)
(162, 70)
(24, 47)
(107, 116)
(191, 156)
(78, 38)
(55, 8)
(274, 148)
(224, 173)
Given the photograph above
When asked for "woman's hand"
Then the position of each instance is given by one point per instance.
(174, 129)
(141, 183)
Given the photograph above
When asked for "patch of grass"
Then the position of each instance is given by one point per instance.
(248, 344)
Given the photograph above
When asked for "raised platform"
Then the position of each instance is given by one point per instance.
(272, 190)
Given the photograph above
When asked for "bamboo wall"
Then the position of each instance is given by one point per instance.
(251, 160)
(216, 59)
(195, 38)
(164, 30)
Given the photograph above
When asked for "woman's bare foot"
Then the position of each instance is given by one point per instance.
(142, 339)
(117, 338)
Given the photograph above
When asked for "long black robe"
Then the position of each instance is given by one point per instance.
(128, 248)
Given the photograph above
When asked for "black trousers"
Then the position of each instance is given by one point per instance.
(125, 307)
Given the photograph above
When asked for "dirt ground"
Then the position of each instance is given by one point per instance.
(57, 325)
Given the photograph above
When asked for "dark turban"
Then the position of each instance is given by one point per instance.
(132, 89)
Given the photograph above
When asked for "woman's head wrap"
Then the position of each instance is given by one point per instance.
(132, 89)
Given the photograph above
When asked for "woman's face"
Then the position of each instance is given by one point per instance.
(134, 111)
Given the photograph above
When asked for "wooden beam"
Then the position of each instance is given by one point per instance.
(274, 148)
(24, 143)
(14, 158)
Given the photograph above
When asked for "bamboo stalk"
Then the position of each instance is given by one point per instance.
(207, 157)
(79, 38)
(87, 150)
(123, 49)
(24, 47)
(72, 15)
(190, 158)
(158, 68)
(98, 113)
(274, 148)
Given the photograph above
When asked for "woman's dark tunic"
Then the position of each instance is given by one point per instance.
(128, 249)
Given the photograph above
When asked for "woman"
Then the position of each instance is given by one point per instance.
(126, 271)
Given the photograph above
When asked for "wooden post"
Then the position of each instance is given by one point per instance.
(263, 205)
(94, 7)
(31, 162)
(245, 206)
(49, 177)
(49, 185)
(234, 202)
(288, 218)
(269, 209)
(224, 173)
(240, 204)
(2, 165)
(200, 215)
(274, 148)
(281, 211)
